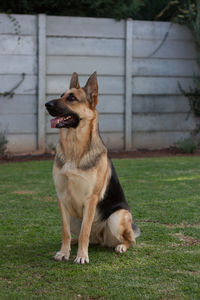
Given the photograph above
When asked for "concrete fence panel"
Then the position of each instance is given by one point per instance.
(139, 64)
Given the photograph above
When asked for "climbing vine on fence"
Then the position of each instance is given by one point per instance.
(187, 12)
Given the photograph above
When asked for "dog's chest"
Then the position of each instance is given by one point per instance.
(74, 188)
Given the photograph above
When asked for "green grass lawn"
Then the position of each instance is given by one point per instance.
(164, 195)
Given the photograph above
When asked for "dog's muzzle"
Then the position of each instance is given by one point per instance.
(65, 117)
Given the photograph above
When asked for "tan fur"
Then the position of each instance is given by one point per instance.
(81, 174)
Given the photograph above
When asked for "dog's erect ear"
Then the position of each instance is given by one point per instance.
(91, 89)
(74, 83)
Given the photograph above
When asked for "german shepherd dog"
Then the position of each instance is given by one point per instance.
(91, 200)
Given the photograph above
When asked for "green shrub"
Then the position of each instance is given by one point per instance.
(3, 144)
(188, 145)
(117, 9)
(87, 8)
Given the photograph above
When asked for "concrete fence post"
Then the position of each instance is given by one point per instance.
(128, 85)
(41, 81)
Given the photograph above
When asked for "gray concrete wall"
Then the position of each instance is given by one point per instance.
(140, 104)
(159, 111)
(18, 55)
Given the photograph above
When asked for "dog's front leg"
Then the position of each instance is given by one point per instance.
(64, 252)
(83, 241)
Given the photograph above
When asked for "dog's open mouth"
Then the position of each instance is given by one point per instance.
(67, 121)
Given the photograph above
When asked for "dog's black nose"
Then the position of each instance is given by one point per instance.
(50, 104)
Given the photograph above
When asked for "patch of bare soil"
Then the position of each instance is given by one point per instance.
(24, 192)
(187, 240)
(172, 151)
(26, 157)
(183, 225)
(168, 152)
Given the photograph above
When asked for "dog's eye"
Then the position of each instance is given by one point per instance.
(71, 97)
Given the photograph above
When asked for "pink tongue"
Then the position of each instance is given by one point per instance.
(56, 121)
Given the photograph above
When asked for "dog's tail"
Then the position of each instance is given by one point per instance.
(136, 230)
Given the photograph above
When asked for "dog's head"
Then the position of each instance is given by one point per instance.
(74, 105)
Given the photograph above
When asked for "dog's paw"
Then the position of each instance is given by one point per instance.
(61, 256)
(81, 260)
(121, 248)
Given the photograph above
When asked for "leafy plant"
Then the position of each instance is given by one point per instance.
(187, 12)
(152, 8)
(188, 145)
(3, 144)
(193, 95)
(88, 8)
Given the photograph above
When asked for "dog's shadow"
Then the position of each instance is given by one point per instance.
(42, 252)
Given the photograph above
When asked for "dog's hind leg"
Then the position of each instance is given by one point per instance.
(64, 252)
(120, 227)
